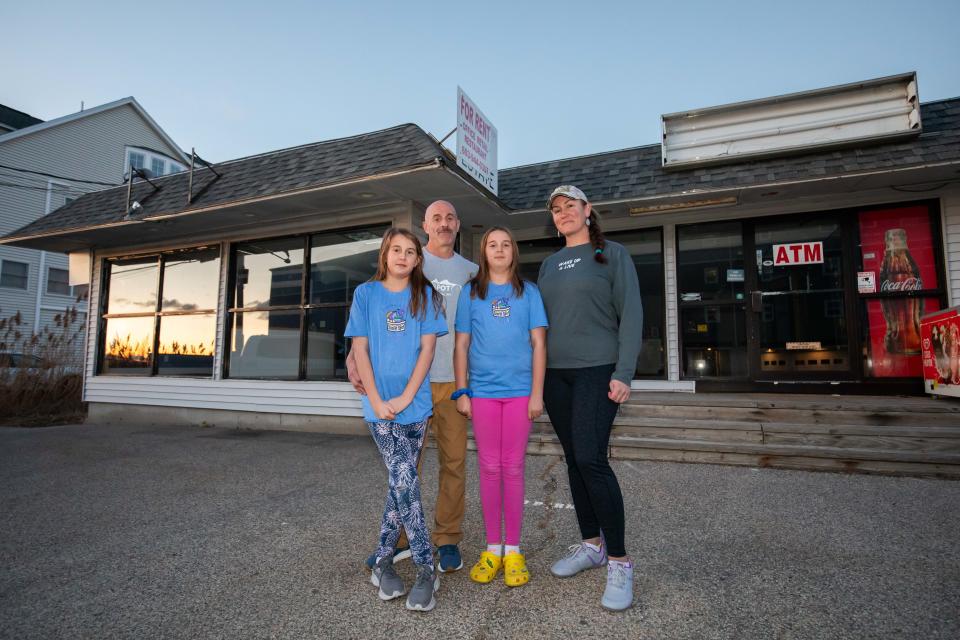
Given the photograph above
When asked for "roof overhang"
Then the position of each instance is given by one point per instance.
(338, 201)
(900, 183)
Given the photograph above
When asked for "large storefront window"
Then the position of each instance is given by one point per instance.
(646, 249)
(794, 298)
(799, 301)
(160, 315)
(897, 283)
(710, 281)
(288, 314)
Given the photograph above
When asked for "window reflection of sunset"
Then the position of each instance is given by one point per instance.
(130, 339)
(191, 285)
(187, 335)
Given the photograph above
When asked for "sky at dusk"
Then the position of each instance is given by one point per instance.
(557, 79)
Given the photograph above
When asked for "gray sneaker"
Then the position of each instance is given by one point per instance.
(619, 592)
(579, 558)
(385, 577)
(421, 596)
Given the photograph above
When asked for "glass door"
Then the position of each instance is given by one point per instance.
(798, 300)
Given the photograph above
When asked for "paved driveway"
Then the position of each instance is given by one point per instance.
(111, 532)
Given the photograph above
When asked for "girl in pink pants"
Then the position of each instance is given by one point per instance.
(501, 348)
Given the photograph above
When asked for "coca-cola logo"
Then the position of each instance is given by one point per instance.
(907, 284)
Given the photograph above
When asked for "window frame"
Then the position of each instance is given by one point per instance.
(25, 276)
(157, 313)
(304, 307)
(171, 165)
(47, 291)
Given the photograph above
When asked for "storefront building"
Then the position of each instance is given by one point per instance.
(223, 295)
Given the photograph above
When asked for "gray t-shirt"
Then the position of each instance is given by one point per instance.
(595, 312)
(448, 275)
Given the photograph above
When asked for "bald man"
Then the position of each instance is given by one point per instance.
(448, 271)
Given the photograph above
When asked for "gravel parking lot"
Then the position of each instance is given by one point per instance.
(176, 532)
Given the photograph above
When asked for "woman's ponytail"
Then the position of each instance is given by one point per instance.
(596, 238)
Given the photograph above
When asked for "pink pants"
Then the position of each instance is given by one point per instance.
(501, 429)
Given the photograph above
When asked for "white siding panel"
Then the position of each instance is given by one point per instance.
(90, 361)
(219, 348)
(266, 396)
(670, 298)
(950, 203)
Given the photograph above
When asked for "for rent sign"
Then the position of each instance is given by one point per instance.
(476, 142)
(797, 253)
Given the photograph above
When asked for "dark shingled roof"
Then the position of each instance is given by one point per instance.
(312, 165)
(619, 175)
(637, 173)
(16, 119)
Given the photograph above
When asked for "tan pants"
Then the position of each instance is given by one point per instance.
(449, 429)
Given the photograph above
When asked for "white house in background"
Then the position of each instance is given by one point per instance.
(44, 165)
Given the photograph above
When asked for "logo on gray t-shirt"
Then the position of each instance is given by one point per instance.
(447, 275)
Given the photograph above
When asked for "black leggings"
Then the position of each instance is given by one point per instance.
(582, 415)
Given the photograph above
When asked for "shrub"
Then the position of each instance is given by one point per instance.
(41, 379)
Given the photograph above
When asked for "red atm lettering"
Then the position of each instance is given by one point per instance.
(812, 253)
(782, 257)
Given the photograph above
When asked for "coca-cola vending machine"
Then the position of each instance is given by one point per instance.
(897, 284)
(940, 342)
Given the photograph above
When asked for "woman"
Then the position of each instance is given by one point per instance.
(592, 298)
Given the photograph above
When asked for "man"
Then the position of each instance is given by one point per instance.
(448, 271)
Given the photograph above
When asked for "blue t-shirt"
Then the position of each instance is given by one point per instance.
(501, 355)
(383, 318)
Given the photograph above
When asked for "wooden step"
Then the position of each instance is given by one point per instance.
(878, 416)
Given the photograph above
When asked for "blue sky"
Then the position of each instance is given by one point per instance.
(558, 79)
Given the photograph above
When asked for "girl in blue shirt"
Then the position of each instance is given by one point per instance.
(394, 322)
(501, 338)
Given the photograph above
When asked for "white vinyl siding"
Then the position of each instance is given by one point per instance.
(267, 396)
(950, 203)
(670, 300)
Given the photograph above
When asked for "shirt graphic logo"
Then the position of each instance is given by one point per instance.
(501, 307)
(396, 320)
(445, 287)
(568, 264)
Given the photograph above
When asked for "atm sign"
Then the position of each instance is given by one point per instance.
(797, 253)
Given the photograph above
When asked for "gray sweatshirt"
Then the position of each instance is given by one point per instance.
(594, 310)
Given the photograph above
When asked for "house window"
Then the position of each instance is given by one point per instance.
(289, 303)
(58, 281)
(159, 164)
(160, 316)
(13, 274)
(137, 160)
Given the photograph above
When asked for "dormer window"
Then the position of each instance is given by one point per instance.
(157, 163)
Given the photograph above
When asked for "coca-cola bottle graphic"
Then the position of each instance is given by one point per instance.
(899, 274)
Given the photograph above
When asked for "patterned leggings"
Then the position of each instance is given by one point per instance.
(399, 446)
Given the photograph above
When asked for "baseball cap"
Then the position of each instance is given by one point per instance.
(567, 190)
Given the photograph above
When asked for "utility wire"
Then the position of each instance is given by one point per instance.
(32, 188)
(51, 175)
(39, 182)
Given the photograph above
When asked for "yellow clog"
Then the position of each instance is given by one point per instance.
(515, 572)
(486, 568)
